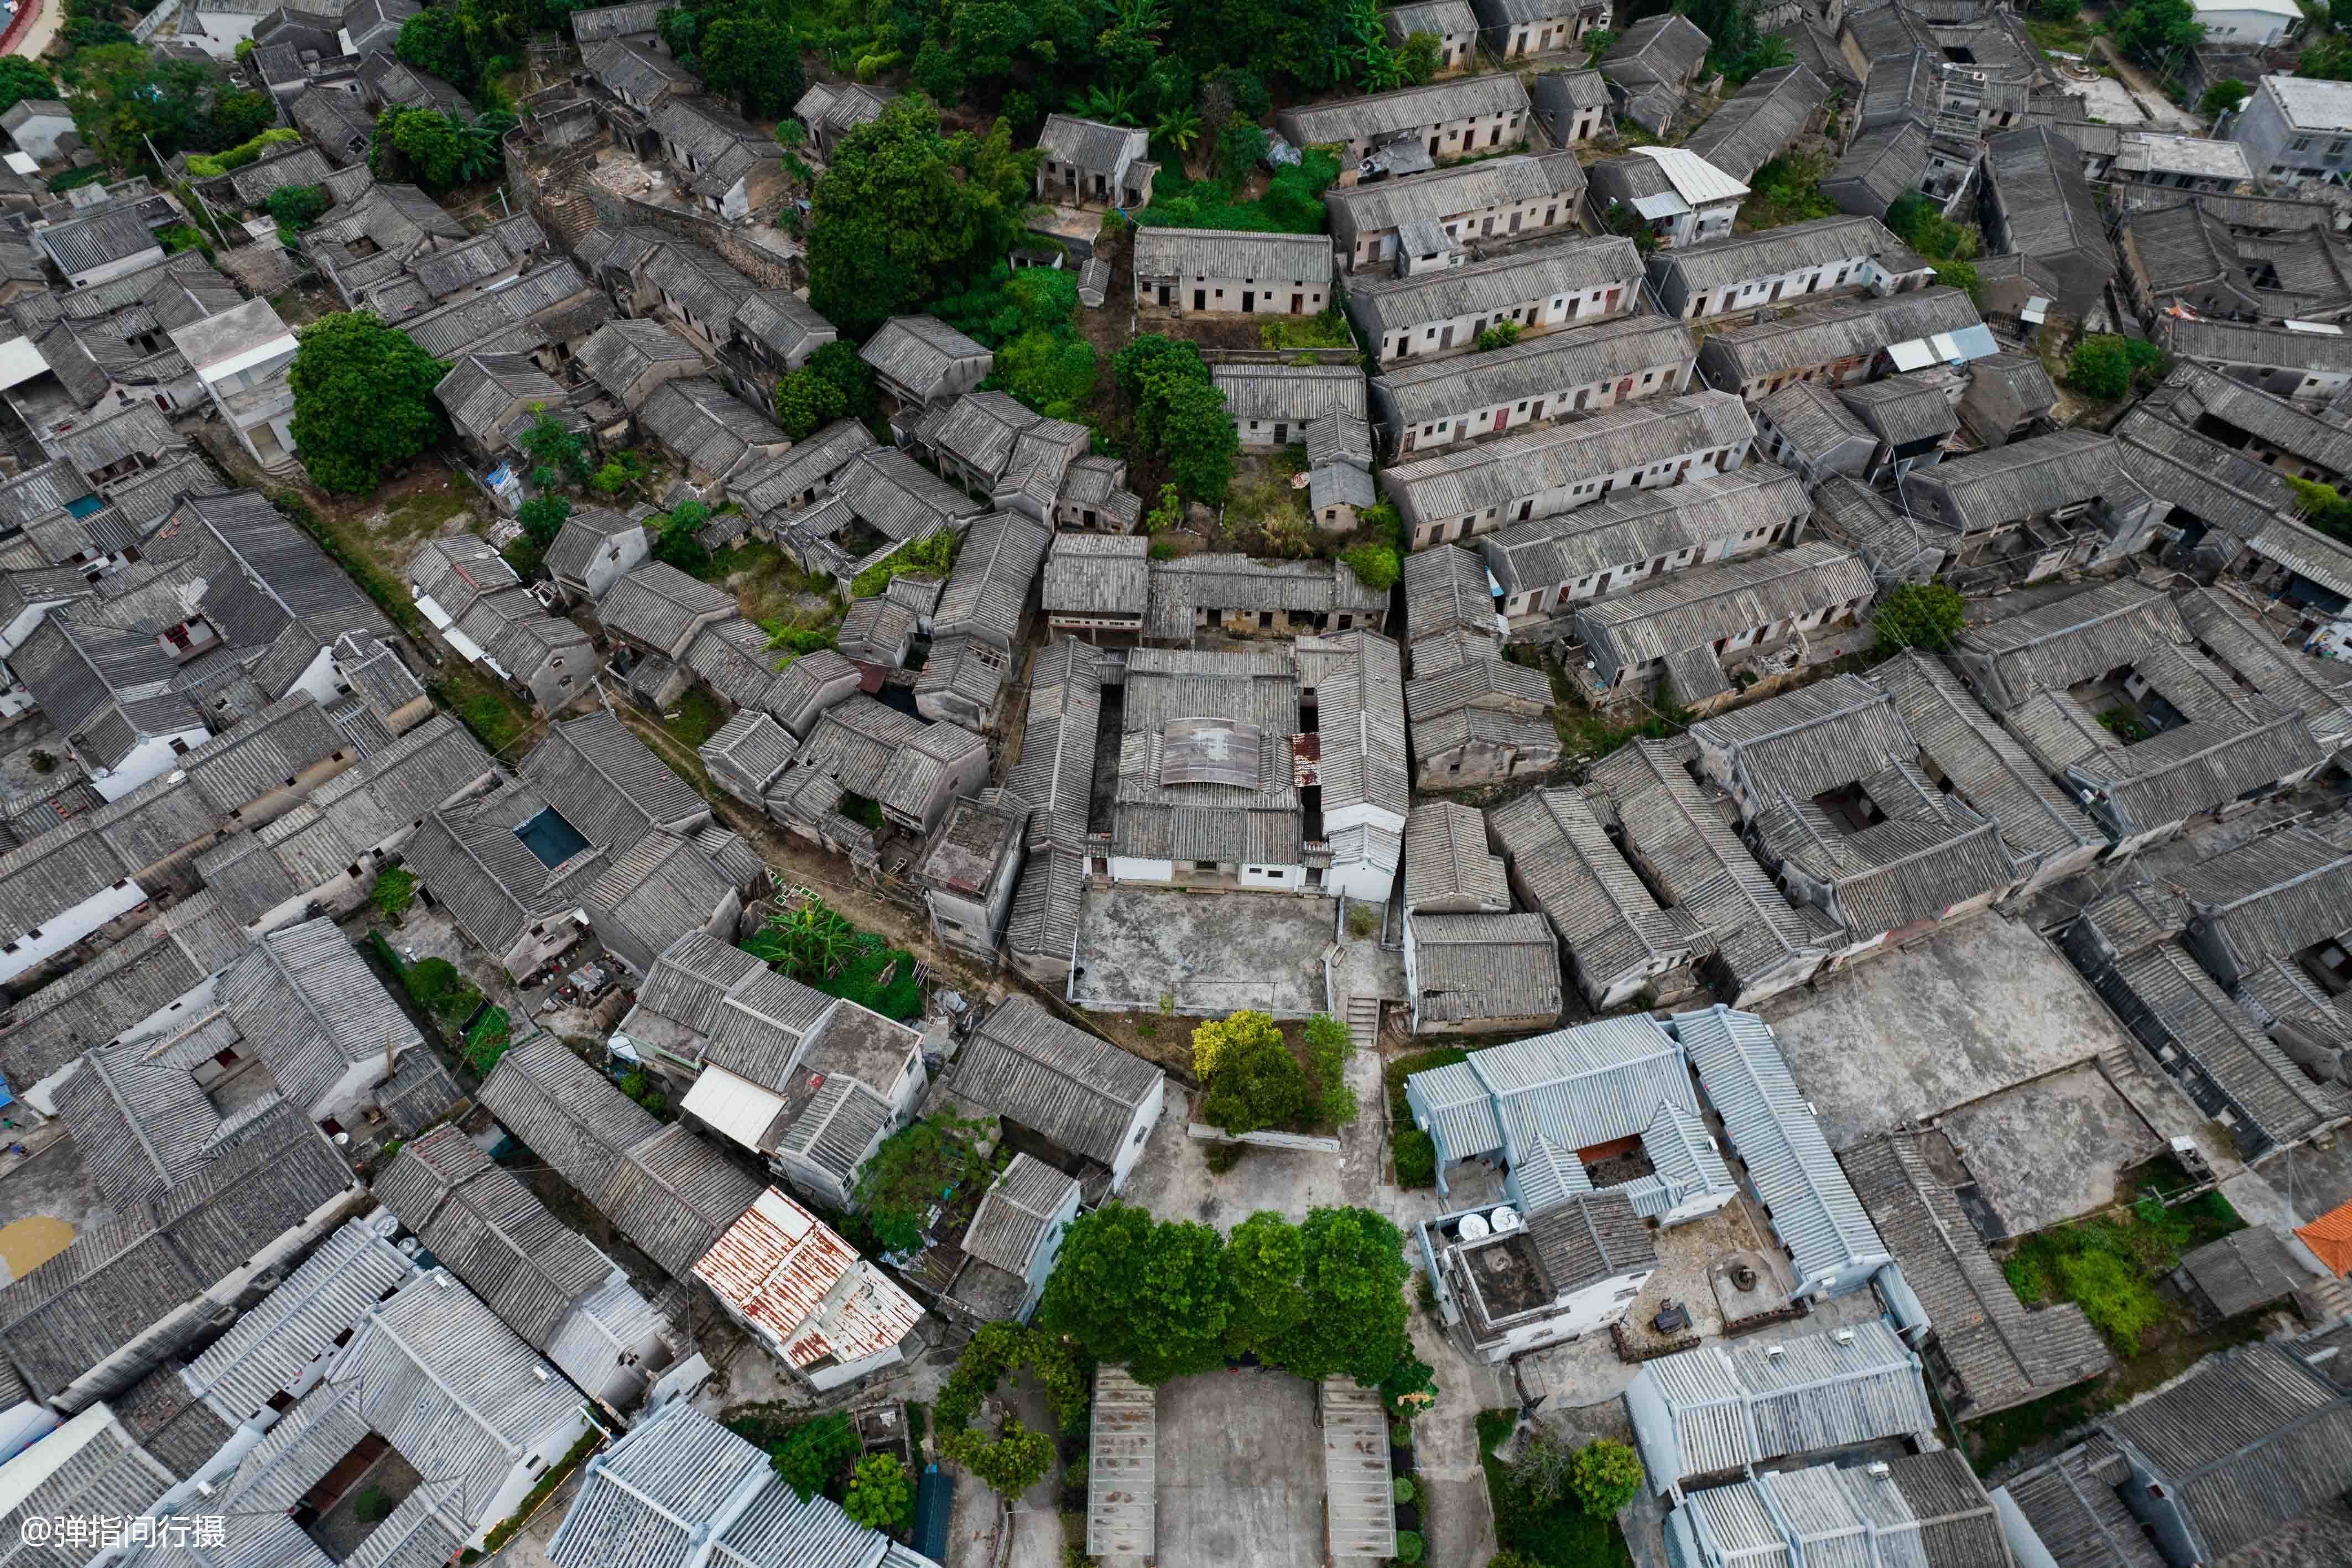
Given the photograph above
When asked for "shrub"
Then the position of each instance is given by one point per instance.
(1401, 1434)
(1604, 1476)
(395, 890)
(1416, 1159)
(1363, 922)
(1402, 1490)
(43, 761)
(372, 1507)
(206, 165)
(1411, 1548)
(432, 982)
(297, 206)
(1501, 335)
(880, 1496)
(2103, 365)
(1375, 566)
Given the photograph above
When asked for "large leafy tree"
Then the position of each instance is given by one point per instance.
(918, 1166)
(1148, 1294)
(21, 78)
(2155, 32)
(1255, 1082)
(1178, 411)
(127, 98)
(1920, 615)
(422, 145)
(755, 61)
(906, 212)
(1265, 1261)
(1353, 1278)
(434, 41)
(362, 400)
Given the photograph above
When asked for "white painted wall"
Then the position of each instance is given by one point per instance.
(62, 930)
(150, 759)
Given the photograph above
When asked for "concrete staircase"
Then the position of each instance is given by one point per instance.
(1363, 1022)
(2325, 1301)
(2119, 1063)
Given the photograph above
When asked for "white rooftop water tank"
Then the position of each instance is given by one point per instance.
(1504, 1218)
(1474, 1228)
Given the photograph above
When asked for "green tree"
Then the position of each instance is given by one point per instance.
(807, 401)
(434, 41)
(1919, 615)
(21, 78)
(1962, 275)
(2058, 10)
(1180, 413)
(1255, 1082)
(362, 400)
(917, 1166)
(1604, 1475)
(756, 61)
(1265, 1262)
(551, 443)
(297, 206)
(1421, 56)
(905, 213)
(1597, 43)
(839, 363)
(394, 891)
(879, 1495)
(2099, 367)
(2155, 31)
(1354, 1275)
(813, 1453)
(124, 98)
(432, 982)
(542, 517)
(1148, 1294)
(1178, 129)
(422, 143)
(1009, 1463)
(2224, 95)
(674, 540)
(1624, 220)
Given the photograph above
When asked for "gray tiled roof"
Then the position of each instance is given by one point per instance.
(1229, 252)
(681, 1490)
(1814, 1209)
(1840, 329)
(267, 1348)
(608, 783)
(668, 1191)
(1010, 1223)
(1758, 120)
(1567, 867)
(1381, 114)
(1768, 253)
(1072, 1087)
(1999, 1352)
(1449, 193)
(1728, 1406)
(1550, 363)
(120, 1278)
(1572, 265)
(920, 352)
(1878, 167)
(1482, 967)
(1631, 435)
(2251, 1438)
(483, 1225)
(1699, 606)
(313, 1009)
(1446, 860)
(656, 605)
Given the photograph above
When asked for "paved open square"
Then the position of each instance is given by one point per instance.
(2049, 1150)
(1241, 1470)
(1973, 1010)
(1213, 952)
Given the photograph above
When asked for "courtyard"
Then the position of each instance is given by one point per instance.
(1975, 1010)
(1208, 953)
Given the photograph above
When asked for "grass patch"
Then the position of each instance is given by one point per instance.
(422, 513)
(861, 980)
(1328, 331)
(1558, 1534)
(2063, 37)
(698, 718)
(2107, 1266)
(496, 716)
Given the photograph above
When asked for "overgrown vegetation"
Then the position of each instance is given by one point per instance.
(2106, 366)
(921, 1165)
(1787, 190)
(1552, 1504)
(2321, 506)
(818, 947)
(1919, 615)
(1415, 1152)
(1011, 1459)
(1179, 414)
(933, 555)
(394, 891)
(2107, 1266)
(1292, 202)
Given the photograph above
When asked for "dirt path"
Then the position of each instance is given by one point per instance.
(38, 36)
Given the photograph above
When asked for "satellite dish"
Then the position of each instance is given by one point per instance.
(1504, 1218)
(1474, 1228)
